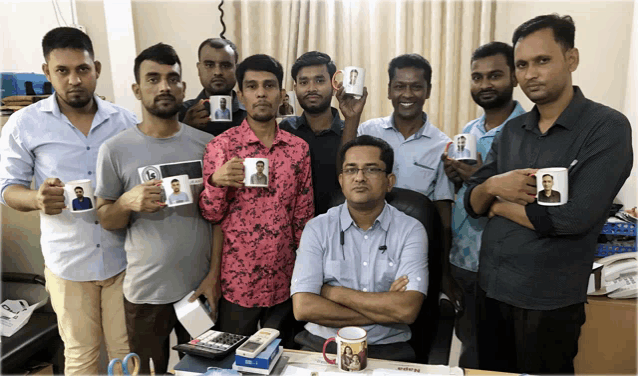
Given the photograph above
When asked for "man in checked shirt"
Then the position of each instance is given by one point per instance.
(261, 226)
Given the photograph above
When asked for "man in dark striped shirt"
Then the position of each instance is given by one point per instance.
(535, 260)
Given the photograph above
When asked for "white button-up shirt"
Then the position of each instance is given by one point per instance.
(39, 141)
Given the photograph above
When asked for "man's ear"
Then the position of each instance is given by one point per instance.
(136, 91)
(389, 90)
(573, 58)
(282, 94)
(340, 177)
(197, 66)
(98, 68)
(427, 95)
(45, 70)
(392, 179)
(513, 79)
(240, 96)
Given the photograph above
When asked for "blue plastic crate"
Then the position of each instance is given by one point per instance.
(14, 83)
(619, 228)
(605, 250)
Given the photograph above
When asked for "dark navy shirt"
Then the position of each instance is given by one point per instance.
(549, 268)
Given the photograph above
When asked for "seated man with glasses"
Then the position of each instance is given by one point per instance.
(363, 263)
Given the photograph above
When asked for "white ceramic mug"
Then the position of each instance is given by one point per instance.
(217, 113)
(177, 190)
(353, 80)
(552, 185)
(352, 349)
(464, 147)
(256, 172)
(78, 196)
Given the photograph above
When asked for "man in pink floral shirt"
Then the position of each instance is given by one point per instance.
(261, 226)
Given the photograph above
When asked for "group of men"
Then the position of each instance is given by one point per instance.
(257, 254)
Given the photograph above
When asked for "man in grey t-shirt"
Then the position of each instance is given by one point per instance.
(168, 249)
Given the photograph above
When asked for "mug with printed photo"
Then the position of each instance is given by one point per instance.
(464, 147)
(287, 107)
(78, 196)
(552, 185)
(177, 190)
(221, 108)
(256, 172)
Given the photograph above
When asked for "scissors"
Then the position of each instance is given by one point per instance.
(122, 366)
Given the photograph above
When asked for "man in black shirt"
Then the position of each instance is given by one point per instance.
(320, 125)
(216, 70)
(535, 260)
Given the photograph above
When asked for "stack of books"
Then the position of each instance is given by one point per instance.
(262, 363)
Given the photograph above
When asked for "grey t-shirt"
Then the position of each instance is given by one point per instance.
(168, 252)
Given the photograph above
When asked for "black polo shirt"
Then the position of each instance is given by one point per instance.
(549, 268)
(216, 127)
(324, 148)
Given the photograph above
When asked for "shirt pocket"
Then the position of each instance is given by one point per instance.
(423, 173)
(385, 272)
(338, 273)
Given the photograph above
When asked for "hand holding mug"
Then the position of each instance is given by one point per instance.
(197, 116)
(517, 186)
(230, 174)
(145, 197)
(349, 105)
(50, 196)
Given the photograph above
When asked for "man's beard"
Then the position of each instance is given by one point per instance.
(163, 112)
(317, 109)
(501, 99)
(263, 118)
(78, 102)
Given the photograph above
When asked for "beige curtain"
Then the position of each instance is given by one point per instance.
(369, 33)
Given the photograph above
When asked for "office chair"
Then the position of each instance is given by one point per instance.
(432, 330)
(39, 339)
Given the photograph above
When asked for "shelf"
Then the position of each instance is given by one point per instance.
(604, 250)
(619, 228)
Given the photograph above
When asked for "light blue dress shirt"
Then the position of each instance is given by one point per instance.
(40, 141)
(417, 160)
(359, 264)
(467, 231)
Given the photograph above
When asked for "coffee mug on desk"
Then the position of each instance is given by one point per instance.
(353, 80)
(352, 349)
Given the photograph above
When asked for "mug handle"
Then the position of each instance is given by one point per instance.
(325, 344)
(334, 82)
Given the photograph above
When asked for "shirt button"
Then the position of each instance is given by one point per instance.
(88, 148)
(90, 172)
(98, 246)
(97, 223)
(418, 279)
(391, 264)
(365, 289)
(365, 263)
(365, 237)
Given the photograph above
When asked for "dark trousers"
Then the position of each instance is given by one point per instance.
(517, 340)
(465, 323)
(234, 318)
(149, 327)
(400, 351)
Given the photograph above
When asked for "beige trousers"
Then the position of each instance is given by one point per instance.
(88, 312)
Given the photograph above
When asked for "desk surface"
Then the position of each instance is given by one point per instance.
(315, 362)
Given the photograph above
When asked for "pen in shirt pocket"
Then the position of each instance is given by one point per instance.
(571, 165)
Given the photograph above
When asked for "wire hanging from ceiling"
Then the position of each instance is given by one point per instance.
(221, 19)
(73, 13)
(56, 9)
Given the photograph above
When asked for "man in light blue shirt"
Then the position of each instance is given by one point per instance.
(417, 145)
(363, 263)
(492, 85)
(56, 140)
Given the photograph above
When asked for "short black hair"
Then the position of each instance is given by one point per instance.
(548, 175)
(493, 49)
(411, 61)
(66, 37)
(387, 154)
(259, 63)
(258, 162)
(217, 43)
(461, 137)
(174, 180)
(160, 53)
(79, 188)
(563, 27)
(313, 58)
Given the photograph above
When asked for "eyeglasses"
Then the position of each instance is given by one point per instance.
(367, 171)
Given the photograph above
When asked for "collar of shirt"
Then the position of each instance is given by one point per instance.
(236, 104)
(249, 137)
(346, 220)
(518, 111)
(336, 126)
(427, 130)
(567, 118)
(104, 110)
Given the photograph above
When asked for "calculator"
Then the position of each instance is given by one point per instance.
(212, 344)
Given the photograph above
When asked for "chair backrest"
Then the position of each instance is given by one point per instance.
(420, 207)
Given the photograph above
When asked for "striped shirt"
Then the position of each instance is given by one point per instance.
(549, 268)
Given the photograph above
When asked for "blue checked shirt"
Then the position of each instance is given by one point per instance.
(39, 141)
(467, 231)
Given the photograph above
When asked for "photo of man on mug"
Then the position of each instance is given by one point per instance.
(547, 194)
(353, 77)
(81, 202)
(461, 151)
(259, 177)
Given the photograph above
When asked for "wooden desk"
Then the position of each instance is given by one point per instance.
(607, 343)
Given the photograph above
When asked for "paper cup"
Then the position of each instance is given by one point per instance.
(78, 196)
(553, 186)
(256, 172)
